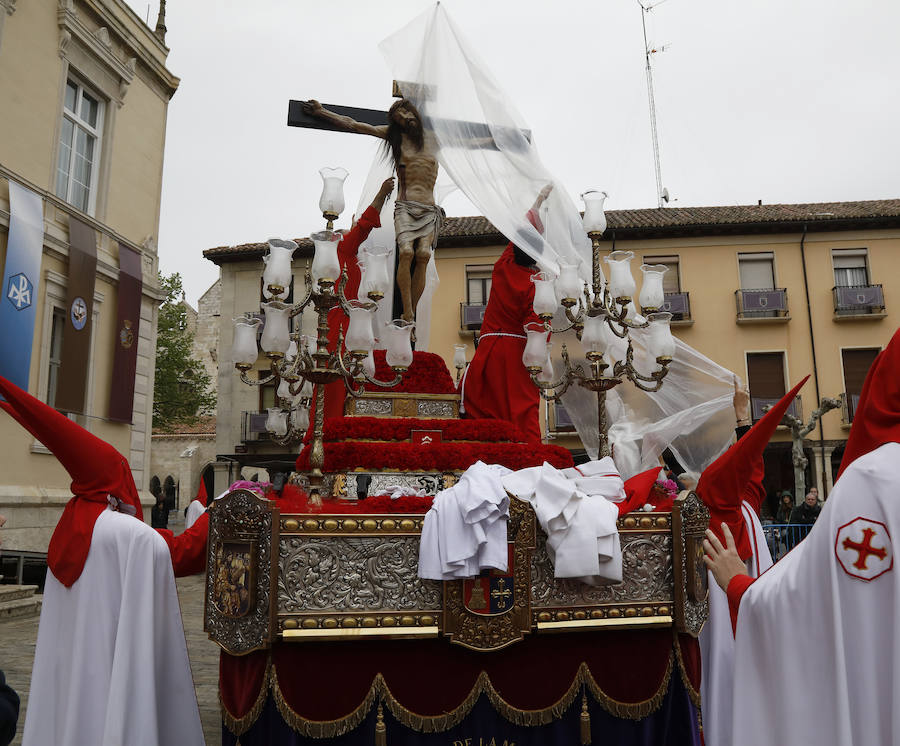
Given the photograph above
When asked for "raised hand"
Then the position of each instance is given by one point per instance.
(725, 562)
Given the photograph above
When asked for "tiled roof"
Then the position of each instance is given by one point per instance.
(660, 223)
(203, 426)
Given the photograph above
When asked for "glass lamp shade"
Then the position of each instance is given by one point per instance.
(243, 348)
(276, 422)
(459, 356)
(325, 265)
(398, 351)
(300, 419)
(278, 266)
(660, 342)
(652, 295)
(594, 338)
(276, 336)
(376, 278)
(306, 390)
(546, 374)
(360, 338)
(621, 283)
(291, 351)
(284, 390)
(535, 354)
(544, 294)
(331, 202)
(569, 284)
(594, 217)
(369, 365)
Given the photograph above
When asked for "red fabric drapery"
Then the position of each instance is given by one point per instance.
(329, 680)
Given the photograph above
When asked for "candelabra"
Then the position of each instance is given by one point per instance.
(299, 373)
(598, 314)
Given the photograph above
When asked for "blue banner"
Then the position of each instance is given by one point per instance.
(21, 280)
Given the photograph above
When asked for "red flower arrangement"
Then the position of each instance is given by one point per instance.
(339, 429)
(428, 374)
(438, 457)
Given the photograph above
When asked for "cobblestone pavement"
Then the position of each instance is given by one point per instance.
(17, 640)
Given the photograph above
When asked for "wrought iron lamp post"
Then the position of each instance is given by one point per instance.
(300, 374)
(598, 315)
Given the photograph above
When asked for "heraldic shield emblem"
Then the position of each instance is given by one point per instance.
(493, 610)
(492, 592)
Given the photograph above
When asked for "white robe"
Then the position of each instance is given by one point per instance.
(194, 511)
(817, 654)
(582, 537)
(717, 642)
(111, 665)
(465, 530)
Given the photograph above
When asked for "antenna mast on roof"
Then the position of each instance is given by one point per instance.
(662, 194)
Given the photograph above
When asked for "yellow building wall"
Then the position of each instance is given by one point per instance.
(709, 272)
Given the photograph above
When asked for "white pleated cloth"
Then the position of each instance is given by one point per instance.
(582, 538)
(465, 530)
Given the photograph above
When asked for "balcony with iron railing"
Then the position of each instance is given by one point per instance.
(470, 316)
(562, 421)
(679, 305)
(761, 304)
(253, 427)
(858, 302)
(760, 405)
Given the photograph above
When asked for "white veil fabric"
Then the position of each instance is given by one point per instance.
(692, 413)
(483, 143)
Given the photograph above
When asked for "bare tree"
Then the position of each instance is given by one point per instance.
(799, 431)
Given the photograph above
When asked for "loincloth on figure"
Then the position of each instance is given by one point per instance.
(413, 220)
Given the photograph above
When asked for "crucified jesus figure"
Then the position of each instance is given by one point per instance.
(417, 219)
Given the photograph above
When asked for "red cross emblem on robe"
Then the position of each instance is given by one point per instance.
(863, 549)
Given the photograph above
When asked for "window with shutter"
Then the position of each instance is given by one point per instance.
(856, 364)
(765, 374)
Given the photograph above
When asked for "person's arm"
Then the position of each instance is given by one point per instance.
(188, 549)
(727, 568)
(741, 403)
(314, 109)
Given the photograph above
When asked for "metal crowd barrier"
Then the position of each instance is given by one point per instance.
(782, 537)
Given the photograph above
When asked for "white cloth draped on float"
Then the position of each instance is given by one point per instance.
(465, 530)
(693, 412)
(817, 654)
(717, 643)
(111, 664)
(194, 511)
(483, 142)
(582, 538)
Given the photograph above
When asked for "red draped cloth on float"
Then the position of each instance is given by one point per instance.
(496, 384)
(628, 672)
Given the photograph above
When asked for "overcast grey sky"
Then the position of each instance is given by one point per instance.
(791, 101)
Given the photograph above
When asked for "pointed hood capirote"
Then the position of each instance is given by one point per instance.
(876, 418)
(97, 470)
(724, 483)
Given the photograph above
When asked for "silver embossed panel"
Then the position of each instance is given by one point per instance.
(646, 570)
(432, 408)
(373, 406)
(353, 574)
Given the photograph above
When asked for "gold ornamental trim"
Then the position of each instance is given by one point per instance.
(694, 694)
(630, 710)
(239, 726)
(322, 728)
(632, 623)
(351, 524)
(644, 522)
(380, 692)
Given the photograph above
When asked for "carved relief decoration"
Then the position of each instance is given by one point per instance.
(690, 518)
(340, 574)
(243, 529)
